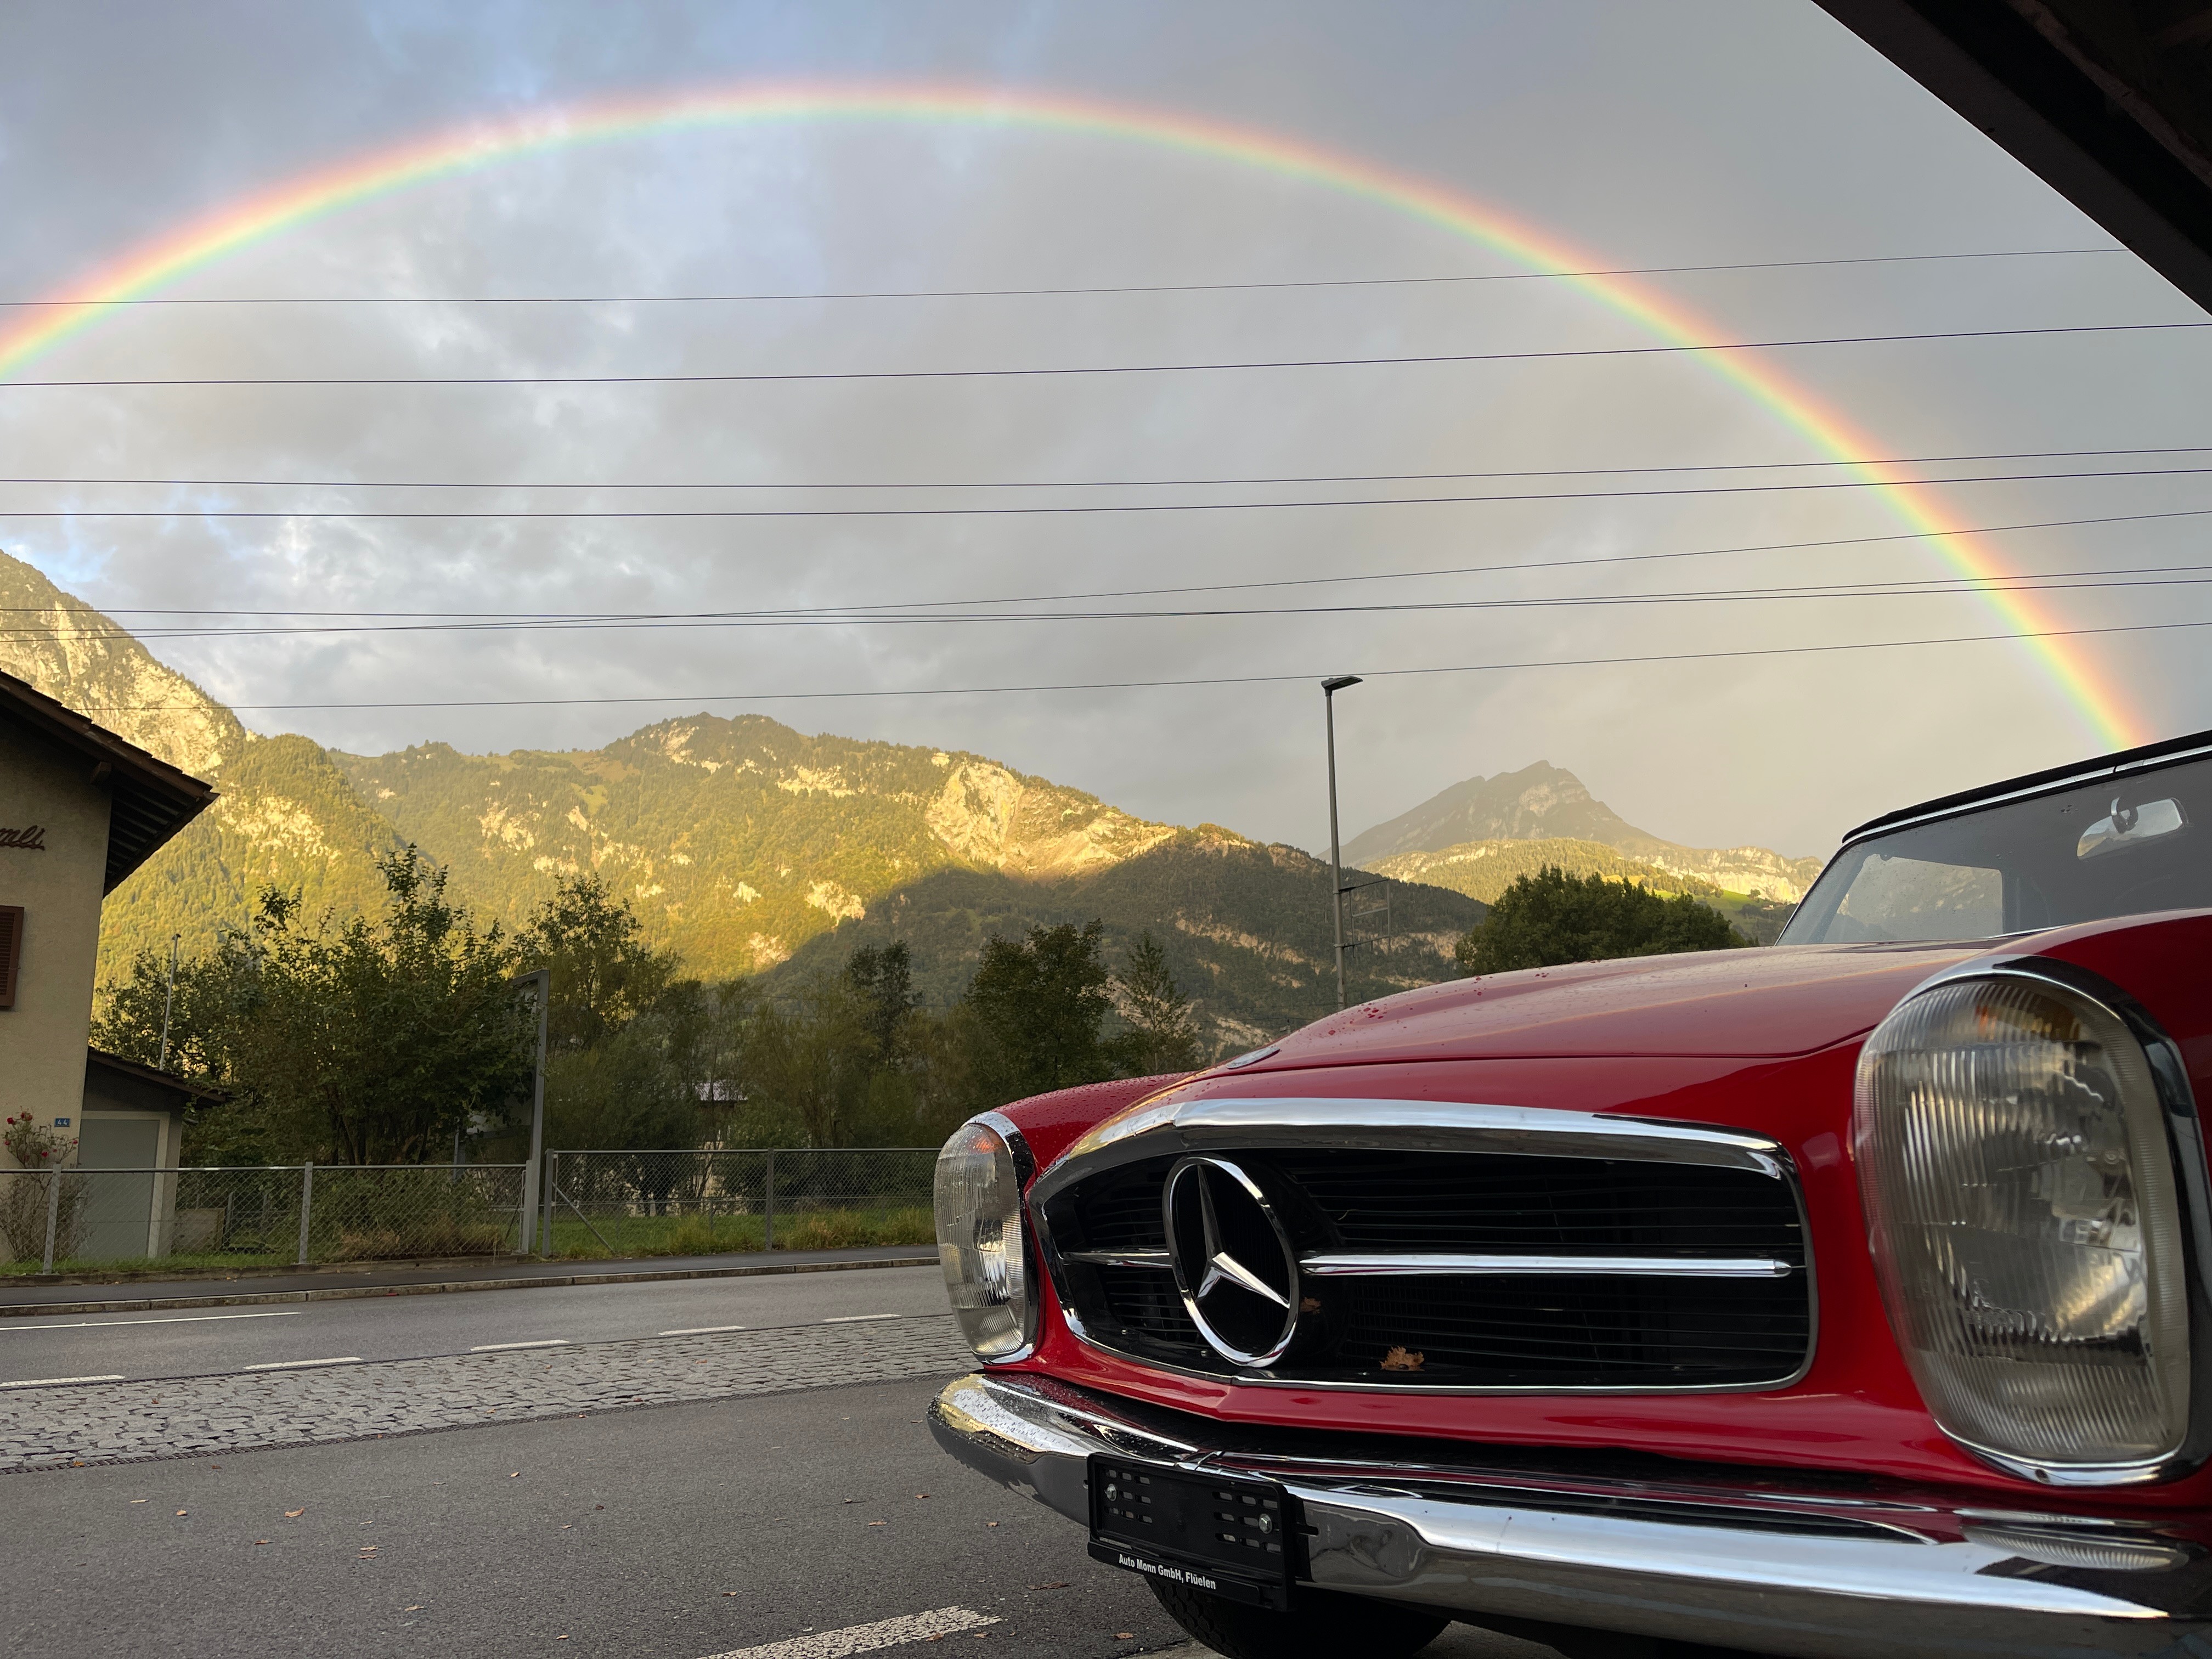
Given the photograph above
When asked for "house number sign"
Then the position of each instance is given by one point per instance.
(32, 839)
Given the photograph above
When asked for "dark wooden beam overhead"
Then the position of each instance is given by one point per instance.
(2109, 100)
(151, 799)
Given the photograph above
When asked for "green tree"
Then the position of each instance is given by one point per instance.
(809, 1059)
(369, 1041)
(1039, 1008)
(631, 1041)
(625, 1092)
(1552, 917)
(882, 978)
(605, 975)
(1161, 1034)
(129, 1018)
(214, 993)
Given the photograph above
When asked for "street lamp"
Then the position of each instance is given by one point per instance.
(541, 979)
(1329, 688)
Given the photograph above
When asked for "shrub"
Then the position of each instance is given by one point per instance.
(1552, 918)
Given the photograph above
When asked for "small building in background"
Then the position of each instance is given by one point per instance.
(133, 1125)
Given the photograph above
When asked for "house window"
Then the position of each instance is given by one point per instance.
(11, 952)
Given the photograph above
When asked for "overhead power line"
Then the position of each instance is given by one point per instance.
(1068, 370)
(1165, 684)
(1028, 293)
(1112, 483)
(2063, 582)
(1428, 574)
(1062, 509)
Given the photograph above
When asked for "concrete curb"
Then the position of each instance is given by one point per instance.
(536, 1282)
(280, 1270)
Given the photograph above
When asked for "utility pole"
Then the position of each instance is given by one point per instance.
(169, 1001)
(533, 1172)
(1329, 688)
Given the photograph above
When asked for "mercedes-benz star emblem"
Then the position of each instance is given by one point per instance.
(1234, 1263)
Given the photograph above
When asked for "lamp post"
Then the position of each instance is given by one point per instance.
(1329, 688)
(168, 1002)
(542, 981)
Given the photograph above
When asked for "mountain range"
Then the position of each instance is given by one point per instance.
(752, 848)
(744, 845)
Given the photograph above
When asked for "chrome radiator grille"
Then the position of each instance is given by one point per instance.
(1428, 1268)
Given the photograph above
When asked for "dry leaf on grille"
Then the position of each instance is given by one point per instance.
(1404, 1359)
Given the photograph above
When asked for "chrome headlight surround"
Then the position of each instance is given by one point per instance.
(2032, 1173)
(981, 1244)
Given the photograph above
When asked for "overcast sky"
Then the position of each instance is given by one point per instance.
(1648, 132)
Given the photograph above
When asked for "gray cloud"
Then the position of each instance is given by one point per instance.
(1647, 134)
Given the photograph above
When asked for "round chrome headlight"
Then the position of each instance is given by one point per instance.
(981, 1243)
(2021, 1205)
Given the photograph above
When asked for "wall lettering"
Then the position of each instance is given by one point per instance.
(32, 839)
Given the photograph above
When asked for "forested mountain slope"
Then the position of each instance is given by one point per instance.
(741, 843)
(1246, 930)
(738, 839)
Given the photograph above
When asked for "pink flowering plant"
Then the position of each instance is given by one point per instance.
(33, 1145)
(27, 1203)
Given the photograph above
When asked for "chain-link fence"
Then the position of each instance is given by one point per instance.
(671, 1203)
(63, 1219)
(593, 1204)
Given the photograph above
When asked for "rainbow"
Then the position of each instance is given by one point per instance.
(144, 270)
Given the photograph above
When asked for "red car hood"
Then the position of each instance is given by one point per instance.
(1756, 1003)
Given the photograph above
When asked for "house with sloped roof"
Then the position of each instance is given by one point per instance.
(80, 810)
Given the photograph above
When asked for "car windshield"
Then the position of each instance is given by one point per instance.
(2119, 847)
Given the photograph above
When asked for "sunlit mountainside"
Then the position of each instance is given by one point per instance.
(750, 848)
(745, 845)
(1477, 835)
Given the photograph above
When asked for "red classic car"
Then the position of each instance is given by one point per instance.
(1843, 1298)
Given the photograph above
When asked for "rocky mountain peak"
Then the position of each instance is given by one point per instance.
(76, 655)
(1543, 803)
(1538, 802)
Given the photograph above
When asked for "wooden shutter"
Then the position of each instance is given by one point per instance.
(11, 951)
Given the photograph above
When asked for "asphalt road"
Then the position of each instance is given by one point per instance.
(680, 1531)
(675, 1533)
(198, 1341)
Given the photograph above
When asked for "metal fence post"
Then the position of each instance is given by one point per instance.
(307, 1206)
(552, 1185)
(768, 1203)
(53, 1216)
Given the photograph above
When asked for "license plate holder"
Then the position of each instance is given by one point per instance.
(1230, 1534)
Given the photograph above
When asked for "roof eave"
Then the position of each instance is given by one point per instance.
(152, 800)
(2104, 135)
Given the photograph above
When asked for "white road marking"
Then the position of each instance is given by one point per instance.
(48, 1381)
(703, 1330)
(500, 1347)
(300, 1364)
(172, 1319)
(867, 1638)
(857, 1319)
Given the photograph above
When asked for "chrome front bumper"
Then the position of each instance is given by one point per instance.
(1694, 1552)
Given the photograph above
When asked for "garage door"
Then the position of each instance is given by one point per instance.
(118, 1216)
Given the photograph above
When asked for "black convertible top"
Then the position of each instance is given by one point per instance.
(2037, 783)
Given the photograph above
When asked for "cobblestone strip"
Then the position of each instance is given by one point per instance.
(118, 1422)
